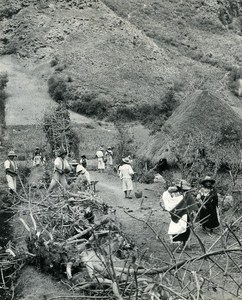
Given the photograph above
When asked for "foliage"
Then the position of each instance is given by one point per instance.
(59, 132)
(125, 141)
(151, 115)
(90, 105)
(57, 89)
(147, 177)
(3, 97)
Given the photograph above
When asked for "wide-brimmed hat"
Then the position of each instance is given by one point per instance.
(207, 179)
(183, 185)
(126, 160)
(12, 153)
(61, 151)
(74, 162)
(83, 156)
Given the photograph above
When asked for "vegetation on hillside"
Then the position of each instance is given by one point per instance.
(3, 97)
(59, 132)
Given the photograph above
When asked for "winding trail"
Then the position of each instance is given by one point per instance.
(28, 97)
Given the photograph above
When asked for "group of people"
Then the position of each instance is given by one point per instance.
(180, 200)
(104, 158)
(75, 169)
(184, 205)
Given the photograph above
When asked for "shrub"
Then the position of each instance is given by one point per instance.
(54, 62)
(91, 106)
(57, 89)
(147, 177)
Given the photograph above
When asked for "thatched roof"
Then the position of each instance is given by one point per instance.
(203, 118)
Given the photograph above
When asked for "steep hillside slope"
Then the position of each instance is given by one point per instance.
(125, 53)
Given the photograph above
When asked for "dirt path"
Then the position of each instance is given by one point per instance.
(28, 95)
(110, 190)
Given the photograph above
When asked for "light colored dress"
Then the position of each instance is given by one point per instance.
(100, 161)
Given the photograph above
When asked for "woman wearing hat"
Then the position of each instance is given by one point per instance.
(11, 171)
(61, 167)
(100, 159)
(109, 156)
(125, 173)
(208, 198)
(179, 203)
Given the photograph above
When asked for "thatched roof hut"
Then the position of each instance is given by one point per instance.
(203, 125)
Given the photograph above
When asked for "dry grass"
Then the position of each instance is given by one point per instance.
(201, 117)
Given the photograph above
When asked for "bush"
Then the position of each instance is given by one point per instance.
(57, 89)
(147, 177)
(91, 106)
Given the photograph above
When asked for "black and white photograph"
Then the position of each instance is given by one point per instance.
(120, 149)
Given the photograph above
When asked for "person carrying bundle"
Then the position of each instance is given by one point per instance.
(180, 203)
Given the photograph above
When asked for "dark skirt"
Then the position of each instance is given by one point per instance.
(209, 217)
(183, 237)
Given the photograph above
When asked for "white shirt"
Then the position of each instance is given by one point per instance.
(99, 154)
(82, 171)
(125, 171)
(9, 164)
(61, 164)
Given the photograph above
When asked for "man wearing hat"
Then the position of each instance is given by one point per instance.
(208, 198)
(83, 180)
(125, 173)
(61, 168)
(11, 171)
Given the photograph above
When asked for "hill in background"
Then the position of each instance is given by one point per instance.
(115, 53)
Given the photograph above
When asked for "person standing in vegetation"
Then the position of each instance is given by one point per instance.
(208, 198)
(37, 157)
(61, 168)
(83, 180)
(125, 173)
(180, 203)
(83, 161)
(11, 169)
(100, 160)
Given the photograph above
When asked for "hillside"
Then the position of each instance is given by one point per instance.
(116, 53)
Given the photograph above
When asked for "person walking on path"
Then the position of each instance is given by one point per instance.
(61, 168)
(100, 160)
(125, 173)
(180, 203)
(208, 198)
(11, 170)
(109, 157)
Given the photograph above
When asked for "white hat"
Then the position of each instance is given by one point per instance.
(12, 153)
(126, 160)
(80, 169)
